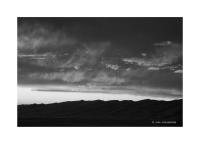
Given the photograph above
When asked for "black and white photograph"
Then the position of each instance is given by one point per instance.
(99, 71)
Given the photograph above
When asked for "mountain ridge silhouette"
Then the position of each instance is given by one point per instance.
(102, 113)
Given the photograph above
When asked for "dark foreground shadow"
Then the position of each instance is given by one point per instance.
(102, 113)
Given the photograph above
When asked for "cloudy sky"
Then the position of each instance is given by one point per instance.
(136, 56)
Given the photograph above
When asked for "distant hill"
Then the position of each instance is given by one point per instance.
(102, 113)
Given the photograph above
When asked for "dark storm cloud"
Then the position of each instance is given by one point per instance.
(36, 37)
(89, 55)
(166, 54)
(72, 76)
(140, 52)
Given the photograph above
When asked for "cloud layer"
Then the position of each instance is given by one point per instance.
(57, 55)
(165, 56)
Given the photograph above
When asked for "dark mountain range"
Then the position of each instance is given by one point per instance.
(102, 113)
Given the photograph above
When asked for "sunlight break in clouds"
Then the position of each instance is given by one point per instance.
(27, 95)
